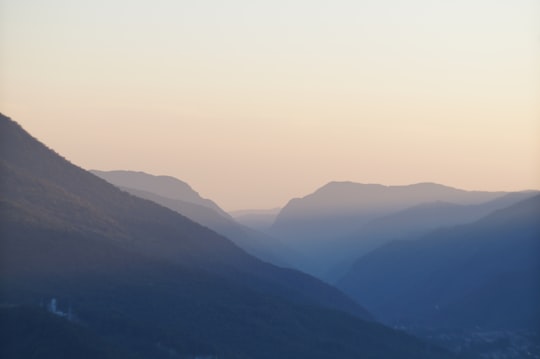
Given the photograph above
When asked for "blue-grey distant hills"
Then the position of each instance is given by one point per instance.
(177, 195)
(143, 281)
(343, 220)
(162, 186)
(483, 275)
(410, 223)
(341, 207)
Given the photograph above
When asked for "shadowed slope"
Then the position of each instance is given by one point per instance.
(29, 332)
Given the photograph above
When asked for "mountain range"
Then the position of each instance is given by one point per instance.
(144, 281)
(341, 221)
(480, 275)
(409, 224)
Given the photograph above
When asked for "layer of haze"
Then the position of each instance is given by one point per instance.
(255, 102)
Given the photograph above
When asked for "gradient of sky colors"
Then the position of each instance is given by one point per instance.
(255, 102)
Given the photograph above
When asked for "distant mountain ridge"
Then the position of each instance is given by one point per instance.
(164, 186)
(316, 224)
(366, 201)
(187, 202)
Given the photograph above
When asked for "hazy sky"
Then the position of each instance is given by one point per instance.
(254, 102)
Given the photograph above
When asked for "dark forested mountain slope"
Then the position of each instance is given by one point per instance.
(155, 284)
(32, 332)
(481, 275)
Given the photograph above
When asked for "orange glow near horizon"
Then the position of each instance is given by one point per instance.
(254, 103)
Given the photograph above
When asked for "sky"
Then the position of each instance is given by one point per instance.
(256, 102)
